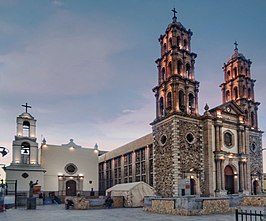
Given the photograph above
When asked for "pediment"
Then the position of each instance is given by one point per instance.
(229, 108)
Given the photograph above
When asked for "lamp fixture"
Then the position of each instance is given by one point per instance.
(4, 151)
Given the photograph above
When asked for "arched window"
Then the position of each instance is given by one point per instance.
(246, 71)
(169, 100)
(249, 93)
(169, 69)
(252, 119)
(236, 92)
(181, 101)
(191, 103)
(170, 42)
(228, 75)
(26, 128)
(188, 71)
(179, 67)
(235, 72)
(178, 41)
(161, 106)
(246, 114)
(185, 44)
(227, 95)
(25, 153)
(244, 91)
(163, 74)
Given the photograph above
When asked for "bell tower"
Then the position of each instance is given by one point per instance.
(239, 86)
(25, 166)
(25, 147)
(177, 89)
(177, 128)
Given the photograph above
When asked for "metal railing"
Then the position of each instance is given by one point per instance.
(244, 215)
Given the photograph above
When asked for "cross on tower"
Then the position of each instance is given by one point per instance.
(236, 45)
(173, 10)
(26, 106)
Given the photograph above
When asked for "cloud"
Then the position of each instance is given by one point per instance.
(58, 2)
(129, 125)
(64, 57)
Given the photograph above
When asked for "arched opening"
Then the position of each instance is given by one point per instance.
(169, 69)
(228, 75)
(246, 72)
(25, 153)
(26, 128)
(236, 92)
(170, 42)
(188, 74)
(227, 95)
(178, 41)
(179, 67)
(161, 106)
(181, 101)
(71, 188)
(249, 93)
(229, 180)
(235, 72)
(252, 119)
(169, 101)
(244, 91)
(185, 44)
(163, 74)
(246, 115)
(192, 187)
(255, 187)
(191, 103)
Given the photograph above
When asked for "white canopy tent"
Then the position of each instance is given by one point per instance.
(133, 193)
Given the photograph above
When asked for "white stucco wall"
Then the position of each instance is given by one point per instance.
(55, 158)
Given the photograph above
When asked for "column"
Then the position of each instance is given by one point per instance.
(218, 175)
(216, 137)
(241, 176)
(220, 137)
(222, 175)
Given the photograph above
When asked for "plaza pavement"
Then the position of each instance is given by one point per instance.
(58, 213)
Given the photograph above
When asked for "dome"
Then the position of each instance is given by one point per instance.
(237, 55)
(26, 115)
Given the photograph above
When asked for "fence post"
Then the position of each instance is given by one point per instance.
(264, 213)
(236, 214)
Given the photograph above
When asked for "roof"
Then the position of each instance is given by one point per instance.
(125, 186)
(26, 115)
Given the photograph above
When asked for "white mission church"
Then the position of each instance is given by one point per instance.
(66, 169)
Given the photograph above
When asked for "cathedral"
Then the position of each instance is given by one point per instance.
(214, 154)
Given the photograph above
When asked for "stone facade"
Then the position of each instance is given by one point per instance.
(214, 154)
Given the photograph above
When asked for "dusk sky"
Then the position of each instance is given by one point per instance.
(87, 66)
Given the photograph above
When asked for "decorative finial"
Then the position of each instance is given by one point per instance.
(236, 49)
(206, 108)
(174, 18)
(26, 106)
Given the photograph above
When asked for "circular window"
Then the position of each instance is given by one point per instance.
(163, 139)
(253, 147)
(228, 139)
(71, 168)
(190, 138)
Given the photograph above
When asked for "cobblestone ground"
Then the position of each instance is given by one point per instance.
(58, 213)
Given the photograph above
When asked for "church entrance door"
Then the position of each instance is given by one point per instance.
(71, 188)
(255, 187)
(229, 180)
(192, 187)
